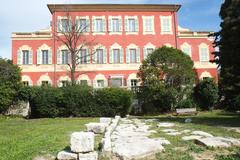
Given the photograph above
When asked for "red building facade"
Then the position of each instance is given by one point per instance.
(123, 36)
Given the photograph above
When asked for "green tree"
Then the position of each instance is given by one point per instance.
(228, 41)
(10, 76)
(166, 72)
(206, 94)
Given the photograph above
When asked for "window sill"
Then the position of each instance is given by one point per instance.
(149, 33)
(98, 33)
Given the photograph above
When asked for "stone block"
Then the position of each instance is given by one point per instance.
(64, 155)
(105, 120)
(96, 127)
(88, 156)
(82, 142)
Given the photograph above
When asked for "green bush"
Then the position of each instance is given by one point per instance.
(9, 83)
(186, 103)
(157, 99)
(206, 94)
(113, 101)
(77, 101)
(46, 102)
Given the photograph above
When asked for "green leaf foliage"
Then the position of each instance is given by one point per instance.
(228, 57)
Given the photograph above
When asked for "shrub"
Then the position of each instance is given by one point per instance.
(114, 101)
(9, 83)
(206, 94)
(46, 102)
(78, 101)
(186, 103)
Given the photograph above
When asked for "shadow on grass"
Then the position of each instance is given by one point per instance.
(220, 119)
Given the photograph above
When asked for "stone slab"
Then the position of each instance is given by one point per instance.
(214, 142)
(166, 124)
(201, 133)
(192, 137)
(106, 120)
(64, 155)
(88, 156)
(81, 142)
(97, 128)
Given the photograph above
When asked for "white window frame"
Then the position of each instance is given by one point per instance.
(126, 25)
(110, 25)
(129, 47)
(203, 46)
(147, 46)
(94, 56)
(145, 18)
(169, 18)
(94, 32)
(87, 22)
(40, 54)
(116, 46)
(20, 55)
(60, 18)
(186, 45)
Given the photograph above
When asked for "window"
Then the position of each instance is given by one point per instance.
(166, 24)
(148, 23)
(133, 82)
(44, 56)
(133, 56)
(204, 57)
(131, 25)
(25, 83)
(64, 83)
(99, 25)
(115, 25)
(82, 24)
(116, 82)
(65, 57)
(64, 25)
(116, 55)
(186, 50)
(100, 83)
(99, 55)
(147, 52)
(45, 83)
(25, 54)
(83, 82)
(83, 56)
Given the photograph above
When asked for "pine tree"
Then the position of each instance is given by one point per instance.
(228, 57)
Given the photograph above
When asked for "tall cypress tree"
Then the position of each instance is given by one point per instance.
(228, 57)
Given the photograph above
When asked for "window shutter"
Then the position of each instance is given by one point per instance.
(59, 25)
(39, 57)
(136, 24)
(93, 25)
(50, 56)
(145, 53)
(126, 24)
(19, 57)
(95, 83)
(104, 55)
(94, 55)
(30, 57)
(138, 55)
(109, 24)
(88, 55)
(88, 25)
(121, 55)
(127, 56)
(30, 83)
(120, 24)
(59, 57)
(111, 56)
(69, 57)
(104, 24)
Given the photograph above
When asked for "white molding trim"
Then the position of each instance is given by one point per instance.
(84, 77)
(132, 45)
(25, 47)
(205, 74)
(28, 79)
(186, 45)
(44, 77)
(149, 45)
(161, 25)
(115, 46)
(153, 25)
(44, 47)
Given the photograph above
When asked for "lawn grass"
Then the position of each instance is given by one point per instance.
(215, 123)
(22, 139)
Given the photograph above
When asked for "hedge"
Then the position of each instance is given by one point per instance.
(77, 101)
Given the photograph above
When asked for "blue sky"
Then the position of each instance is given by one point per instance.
(32, 15)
